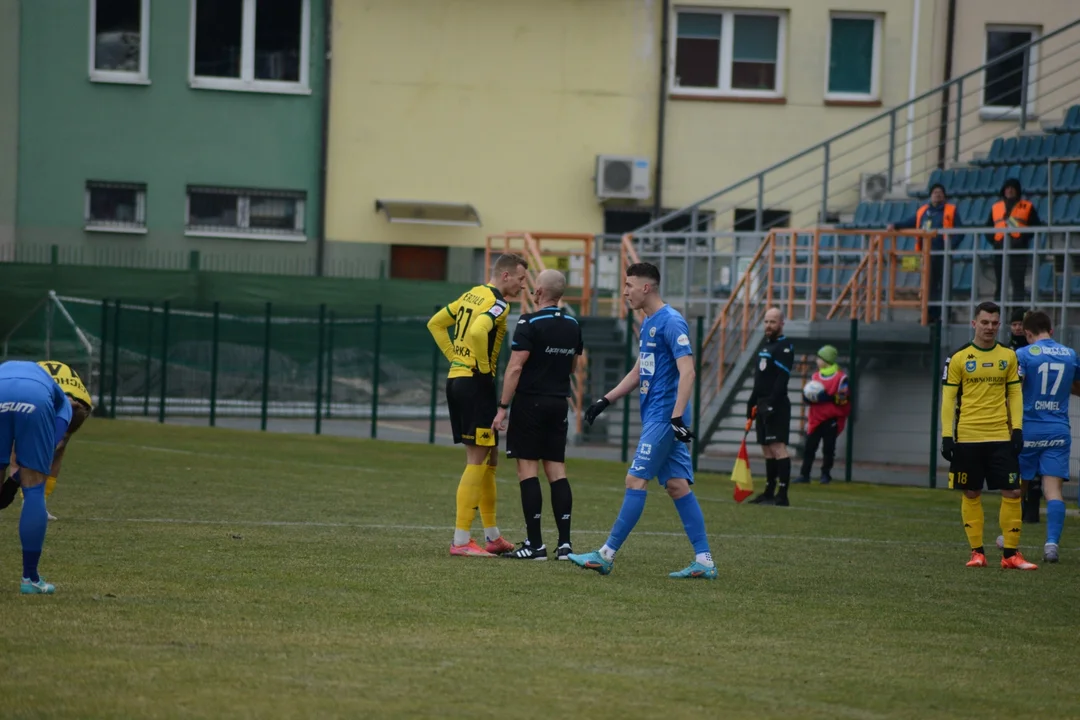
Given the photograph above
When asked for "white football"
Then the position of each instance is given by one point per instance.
(814, 391)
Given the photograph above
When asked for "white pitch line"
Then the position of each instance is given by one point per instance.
(448, 529)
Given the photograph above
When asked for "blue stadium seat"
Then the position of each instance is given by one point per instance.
(1070, 179)
(894, 212)
(1000, 173)
(873, 215)
(1043, 146)
(983, 184)
(961, 277)
(1061, 207)
(1039, 201)
(963, 209)
(1008, 151)
(1059, 146)
(860, 214)
(967, 180)
(1045, 279)
(935, 177)
(1025, 149)
(1013, 171)
(824, 282)
(1057, 176)
(965, 243)
(1037, 182)
(994, 156)
(1027, 173)
(1072, 118)
(1072, 213)
(976, 213)
(1074, 145)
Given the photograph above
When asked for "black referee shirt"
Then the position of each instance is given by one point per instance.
(553, 339)
(772, 371)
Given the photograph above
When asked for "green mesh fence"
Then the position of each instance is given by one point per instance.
(154, 360)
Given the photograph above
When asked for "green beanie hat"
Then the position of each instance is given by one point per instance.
(828, 353)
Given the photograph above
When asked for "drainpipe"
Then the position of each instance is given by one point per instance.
(943, 131)
(658, 194)
(912, 72)
(324, 140)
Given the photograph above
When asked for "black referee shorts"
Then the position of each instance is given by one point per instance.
(472, 405)
(775, 426)
(537, 431)
(994, 463)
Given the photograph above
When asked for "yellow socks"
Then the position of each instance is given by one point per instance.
(468, 496)
(487, 502)
(1010, 518)
(50, 483)
(971, 511)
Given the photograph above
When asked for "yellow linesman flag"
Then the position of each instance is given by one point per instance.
(740, 474)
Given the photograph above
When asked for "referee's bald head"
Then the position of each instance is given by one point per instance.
(552, 284)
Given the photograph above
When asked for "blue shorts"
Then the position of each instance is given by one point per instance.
(1045, 455)
(27, 422)
(659, 455)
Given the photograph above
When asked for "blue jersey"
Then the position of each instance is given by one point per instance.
(664, 339)
(19, 370)
(1048, 370)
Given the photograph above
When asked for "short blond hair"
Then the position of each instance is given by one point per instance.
(508, 262)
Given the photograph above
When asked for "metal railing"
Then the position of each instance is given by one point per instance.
(825, 177)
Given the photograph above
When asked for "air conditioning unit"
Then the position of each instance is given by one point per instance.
(622, 176)
(873, 187)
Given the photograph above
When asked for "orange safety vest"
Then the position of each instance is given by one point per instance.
(949, 220)
(1019, 217)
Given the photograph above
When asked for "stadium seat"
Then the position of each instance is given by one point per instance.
(961, 277)
(1061, 207)
(1042, 148)
(1013, 172)
(1045, 278)
(976, 213)
(963, 209)
(994, 156)
(1057, 176)
(1037, 182)
(1000, 173)
(1027, 174)
(1070, 179)
(1074, 145)
(984, 184)
(1072, 213)
(1008, 151)
(861, 213)
(1027, 148)
(1059, 146)
(1072, 118)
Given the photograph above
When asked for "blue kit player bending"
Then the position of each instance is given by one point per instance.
(1049, 370)
(664, 375)
(36, 419)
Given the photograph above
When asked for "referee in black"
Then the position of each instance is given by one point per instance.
(770, 404)
(543, 353)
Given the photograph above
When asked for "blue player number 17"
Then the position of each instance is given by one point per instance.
(1044, 372)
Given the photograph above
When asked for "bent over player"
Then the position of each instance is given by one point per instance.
(479, 321)
(36, 421)
(1048, 370)
(982, 427)
(664, 376)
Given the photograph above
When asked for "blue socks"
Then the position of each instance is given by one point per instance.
(32, 524)
(1055, 520)
(693, 522)
(630, 512)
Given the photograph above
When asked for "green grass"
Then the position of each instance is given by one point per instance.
(229, 574)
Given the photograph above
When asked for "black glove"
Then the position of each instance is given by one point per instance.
(948, 445)
(750, 410)
(486, 378)
(682, 433)
(1018, 441)
(595, 409)
(8, 491)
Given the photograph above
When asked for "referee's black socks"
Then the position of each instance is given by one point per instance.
(783, 471)
(532, 504)
(562, 503)
(770, 476)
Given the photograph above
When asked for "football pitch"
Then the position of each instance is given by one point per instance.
(219, 573)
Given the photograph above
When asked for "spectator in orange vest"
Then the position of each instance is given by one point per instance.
(1007, 215)
(827, 416)
(934, 215)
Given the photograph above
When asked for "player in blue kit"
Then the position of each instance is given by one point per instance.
(1049, 370)
(35, 415)
(664, 376)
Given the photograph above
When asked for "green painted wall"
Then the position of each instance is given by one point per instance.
(164, 134)
(9, 120)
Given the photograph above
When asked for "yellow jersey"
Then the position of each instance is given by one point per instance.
(478, 319)
(981, 399)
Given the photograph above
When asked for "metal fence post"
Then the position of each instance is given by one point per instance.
(435, 355)
(959, 119)
(164, 359)
(102, 363)
(319, 370)
(115, 359)
(853, 389)
(214, 341)
(330, 364)
(759, 210)
(1024, 74)
(935, 394)
(697, 389)
(266, 370)
(625, 455)
(375, 373)
(825, 185)
(149, 353)
(892, 148)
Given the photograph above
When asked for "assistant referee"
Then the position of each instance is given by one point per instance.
(544, 351)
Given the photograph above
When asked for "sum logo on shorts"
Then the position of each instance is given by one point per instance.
(19, 407)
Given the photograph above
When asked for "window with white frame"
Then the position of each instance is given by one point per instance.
(1004, 80)
(120, 41)
(259, 45)
(725, 52)
(115, 207)
(232, 212)
(854, 57)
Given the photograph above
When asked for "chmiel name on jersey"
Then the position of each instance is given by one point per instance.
(1052, 405)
